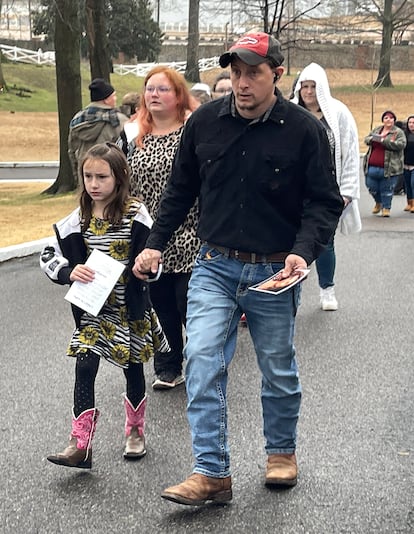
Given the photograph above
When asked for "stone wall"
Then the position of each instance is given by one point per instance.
(329, 55)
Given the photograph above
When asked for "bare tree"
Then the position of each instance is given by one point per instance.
(97, 39)
(394, 16)
(275, 15)
(68, 86)
(192, 72)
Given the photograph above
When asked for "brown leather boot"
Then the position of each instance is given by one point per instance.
(377, 208)
(385, 212)
(198, 489)
(281, 470)
(409, 205)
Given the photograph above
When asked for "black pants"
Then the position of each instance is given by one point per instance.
(169, 298)
(87, 366)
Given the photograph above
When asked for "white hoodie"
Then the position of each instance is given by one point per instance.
(342, 124)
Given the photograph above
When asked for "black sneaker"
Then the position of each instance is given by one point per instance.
(167, 381)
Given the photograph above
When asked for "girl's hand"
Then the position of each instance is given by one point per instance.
(82, 273)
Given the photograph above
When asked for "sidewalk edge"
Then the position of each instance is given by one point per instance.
(24, 249)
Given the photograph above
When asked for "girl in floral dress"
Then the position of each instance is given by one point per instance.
(126, 332)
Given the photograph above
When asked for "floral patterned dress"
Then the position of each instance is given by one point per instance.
(111, 334)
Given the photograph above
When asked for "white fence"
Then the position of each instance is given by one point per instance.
(141, 69)
(22, 55)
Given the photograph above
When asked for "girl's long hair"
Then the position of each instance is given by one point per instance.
(184, 102)
(117, 162)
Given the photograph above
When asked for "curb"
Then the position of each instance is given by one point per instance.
(29, 170)
(25, 249)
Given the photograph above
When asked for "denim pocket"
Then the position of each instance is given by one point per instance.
(208, 254)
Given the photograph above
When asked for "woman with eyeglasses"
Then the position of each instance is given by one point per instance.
(222, 85)
(165, 106)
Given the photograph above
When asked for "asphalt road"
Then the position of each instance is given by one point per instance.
(356, 431)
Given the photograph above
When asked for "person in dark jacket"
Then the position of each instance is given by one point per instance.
(269, 201)
(408, 129)
(125, 331)
(100, 121)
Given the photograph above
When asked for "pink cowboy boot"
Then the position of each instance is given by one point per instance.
(79, 451)
(134, 429)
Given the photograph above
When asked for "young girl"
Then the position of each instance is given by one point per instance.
(126, 331)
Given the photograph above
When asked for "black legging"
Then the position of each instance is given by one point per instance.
(87, 366)
(169, 298)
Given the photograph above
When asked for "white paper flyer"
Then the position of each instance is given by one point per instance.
(92, 296)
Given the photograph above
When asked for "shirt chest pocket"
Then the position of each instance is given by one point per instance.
(278, 175)
(211, 164)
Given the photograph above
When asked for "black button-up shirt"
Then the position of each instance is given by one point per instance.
(264, 186)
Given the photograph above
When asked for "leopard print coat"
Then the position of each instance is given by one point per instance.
(150, 171)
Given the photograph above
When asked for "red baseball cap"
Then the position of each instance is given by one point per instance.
(254, 48)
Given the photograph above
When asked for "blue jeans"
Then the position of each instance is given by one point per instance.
(409, 183)
(217, 297)
(325, 266)
(381, 188)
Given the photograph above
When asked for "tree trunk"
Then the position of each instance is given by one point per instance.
(68, 86)
(97, 39)
(192, 73)
(3, 85)
(384, 72)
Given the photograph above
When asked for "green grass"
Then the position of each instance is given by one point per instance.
(33, 87)
(368, 88)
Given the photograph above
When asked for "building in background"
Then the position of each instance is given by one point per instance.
(15, 22)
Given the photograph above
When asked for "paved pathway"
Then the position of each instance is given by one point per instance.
(356, 431)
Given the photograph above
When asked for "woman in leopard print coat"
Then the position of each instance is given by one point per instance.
(165, 105)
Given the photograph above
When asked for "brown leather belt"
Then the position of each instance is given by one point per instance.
(251, 257)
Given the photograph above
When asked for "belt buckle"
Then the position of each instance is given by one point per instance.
(253, 257)
(236, 254)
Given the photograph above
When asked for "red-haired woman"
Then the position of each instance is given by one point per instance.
(165, 105)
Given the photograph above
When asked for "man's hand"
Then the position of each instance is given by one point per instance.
(146, 261)
(292, 264)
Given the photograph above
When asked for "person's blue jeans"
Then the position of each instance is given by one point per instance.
(381, 188)
(325, 266)
(218, 294)
(409, 183)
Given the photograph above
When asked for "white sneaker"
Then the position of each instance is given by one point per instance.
(328, 299)
(167, 381)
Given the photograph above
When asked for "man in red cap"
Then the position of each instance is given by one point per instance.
(269, 201)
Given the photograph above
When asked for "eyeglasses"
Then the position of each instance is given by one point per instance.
(160, 89)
